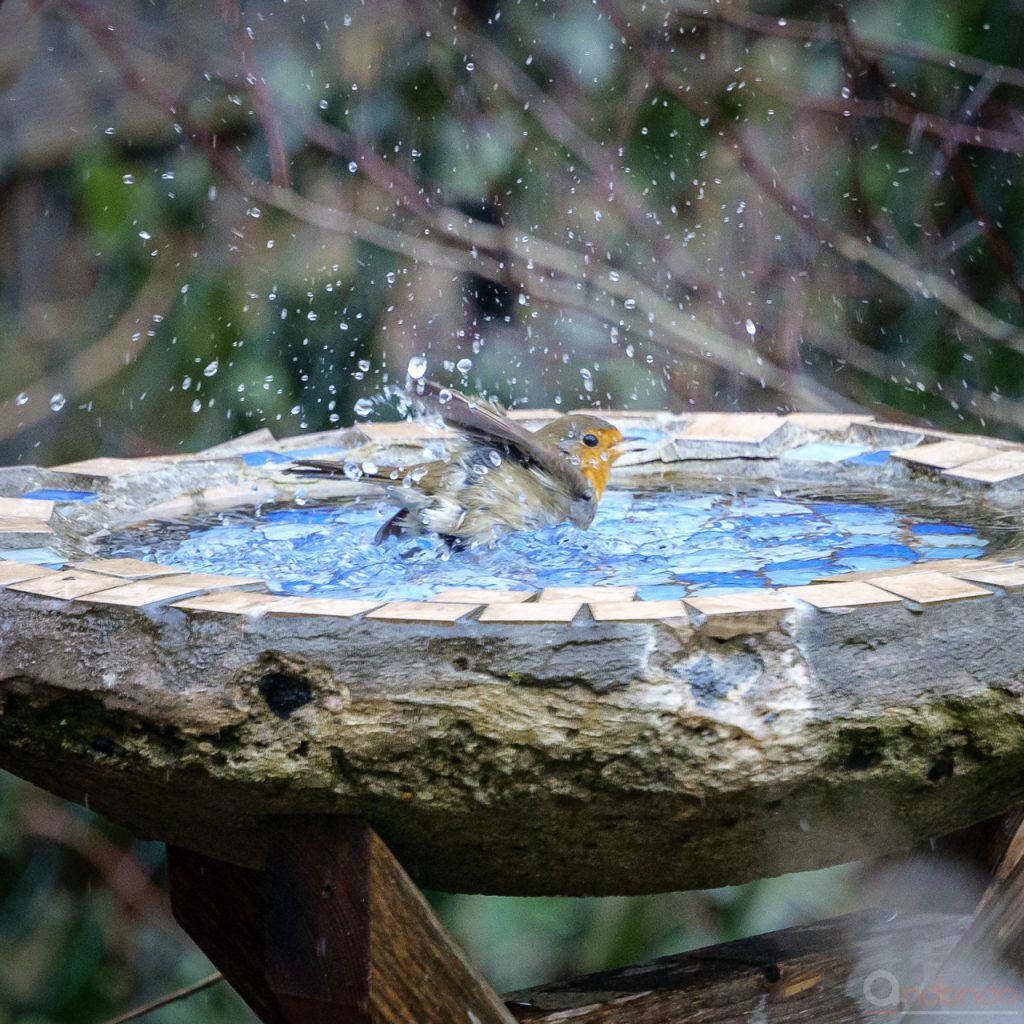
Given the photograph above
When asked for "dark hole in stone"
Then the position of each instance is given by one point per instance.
(942, 766)
(284, 693)
(730, 822)
(461, 662)
(103, 745)
(302, 749)
(771, 973)
(861, 760)
(773, 805)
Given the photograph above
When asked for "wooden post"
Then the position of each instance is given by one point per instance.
(333, 931)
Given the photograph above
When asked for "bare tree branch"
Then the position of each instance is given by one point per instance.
(172, 997)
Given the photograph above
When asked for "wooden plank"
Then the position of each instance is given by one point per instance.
(211, 580)
(111, 468)
(740, 613)
(350, 940)
(126, 568)
(229, 602)
(143, 593)
(421, 611)
(16, 572)
(20, 532)
(741, 427)
(66, 585)
(943, 454)
(996, 469)
(988, 955)
(944, 565)
(221, 906)
(26, 508)
(822, 972)
(533, 611)
(636, 611)
(841, 595)
(1007, 577)
(930, 587)
(333, 607)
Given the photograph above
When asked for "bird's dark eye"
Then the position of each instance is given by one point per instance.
(590, 440)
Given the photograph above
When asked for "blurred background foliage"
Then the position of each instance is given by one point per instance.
(217, 217)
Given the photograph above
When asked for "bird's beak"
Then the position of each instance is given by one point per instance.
(626, 445)
(630, 444)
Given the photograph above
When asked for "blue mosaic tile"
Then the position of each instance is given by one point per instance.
(51, 494)
(824, 451)
(265, 458)
(34, 556)
(662, 592)
(666, 544)
(934, 554)
(877, 458)
(649, 434)
(932, 528)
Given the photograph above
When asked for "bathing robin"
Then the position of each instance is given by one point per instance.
(496, 476)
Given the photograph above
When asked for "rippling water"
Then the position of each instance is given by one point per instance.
(667, 543)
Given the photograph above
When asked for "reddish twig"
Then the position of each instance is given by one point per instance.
(280, 172)
(824, 32)
(172, 997)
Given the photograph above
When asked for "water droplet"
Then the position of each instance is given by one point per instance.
(417, 367)
(444, 396)
(210, 370)
(464, 365)
(353, 166)
(128, 179)
(57, 402)
(751, 327)
(196, 405)
(363, 407)
(22, 399)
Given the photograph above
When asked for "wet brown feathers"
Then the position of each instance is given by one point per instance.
(496, 476)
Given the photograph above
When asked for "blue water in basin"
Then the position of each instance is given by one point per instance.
(666, 543)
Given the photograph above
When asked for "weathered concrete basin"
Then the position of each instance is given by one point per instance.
(574, 743)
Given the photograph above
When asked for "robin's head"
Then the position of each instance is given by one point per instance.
(591, 442)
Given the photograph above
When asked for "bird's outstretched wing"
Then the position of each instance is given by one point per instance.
(487, 422)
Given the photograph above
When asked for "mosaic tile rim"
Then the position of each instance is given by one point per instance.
(248, 469)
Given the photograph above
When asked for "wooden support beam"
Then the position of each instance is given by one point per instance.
(985, 969)
(332, 932)
(833, 972)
